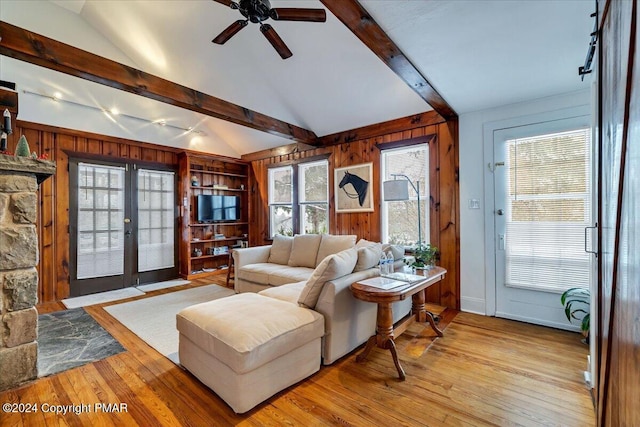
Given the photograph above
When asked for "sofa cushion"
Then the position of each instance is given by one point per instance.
(332, 244)
(257, 273)
(245, 331)
(304, 250)
(368, 256)
(280, 249)
(332, 267)
(290, 292)
(364, 242)
(286, 274)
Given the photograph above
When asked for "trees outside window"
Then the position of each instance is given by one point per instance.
(400, 219)
(299, 198)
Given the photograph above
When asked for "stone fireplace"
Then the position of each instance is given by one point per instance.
(19, 181)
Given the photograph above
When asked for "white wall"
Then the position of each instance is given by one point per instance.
(473, 172)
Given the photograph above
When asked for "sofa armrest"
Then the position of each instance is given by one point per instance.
(348, 321)
(254, 255)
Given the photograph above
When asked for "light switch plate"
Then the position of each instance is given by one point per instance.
(474, 204)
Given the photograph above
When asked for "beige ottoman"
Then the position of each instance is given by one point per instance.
(247, 347)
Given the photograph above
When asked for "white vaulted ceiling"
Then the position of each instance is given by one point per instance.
(477, 54)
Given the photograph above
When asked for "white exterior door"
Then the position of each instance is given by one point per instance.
(542, 187)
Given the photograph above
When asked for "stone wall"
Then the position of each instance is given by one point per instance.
(19, 179)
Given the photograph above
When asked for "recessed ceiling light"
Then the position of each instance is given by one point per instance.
(57, 95)
(114, 111)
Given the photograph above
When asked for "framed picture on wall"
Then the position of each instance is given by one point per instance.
(353, 192)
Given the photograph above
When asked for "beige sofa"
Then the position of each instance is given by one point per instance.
(287, 260)
(249, 346)
(281, 271)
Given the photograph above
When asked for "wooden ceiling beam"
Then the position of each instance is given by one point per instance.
(21, 44)
(358, 20)
(283, 150)
(397, 125)
(372, 131)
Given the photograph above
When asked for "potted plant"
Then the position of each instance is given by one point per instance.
(425, 256)
(576, 302)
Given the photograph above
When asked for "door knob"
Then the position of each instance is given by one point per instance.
(500, 212)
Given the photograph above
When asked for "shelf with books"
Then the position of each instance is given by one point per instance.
(206, 178)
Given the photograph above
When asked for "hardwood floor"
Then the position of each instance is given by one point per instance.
(484, 371)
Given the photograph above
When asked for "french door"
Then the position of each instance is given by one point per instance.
(543, 212)
(122, 226)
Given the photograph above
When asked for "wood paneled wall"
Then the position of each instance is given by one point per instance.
(618, 341)
(444, 209)
(53, 221)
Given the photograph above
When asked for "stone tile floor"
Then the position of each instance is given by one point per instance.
(71, 338)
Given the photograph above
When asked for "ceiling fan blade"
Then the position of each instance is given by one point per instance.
(296, 14)
(229, 3)
(230, 31)
(275, 41)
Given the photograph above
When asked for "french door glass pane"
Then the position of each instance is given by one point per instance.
(548, 208)
(100, 221)
(155, 220)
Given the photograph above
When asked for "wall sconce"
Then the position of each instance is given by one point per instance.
(398, 190)
(5, 130)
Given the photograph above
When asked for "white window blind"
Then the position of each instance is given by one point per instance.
(549, 206)
(156, 219)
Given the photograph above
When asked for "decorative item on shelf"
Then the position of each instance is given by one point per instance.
(220, 187)
(197, 252)
(218, 236)
(244, 244)
(194, 181)
(425, 256)
(5, 130)
(242, 187)
(22, 149)
(221, 250)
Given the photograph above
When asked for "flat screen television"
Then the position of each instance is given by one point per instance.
(214, 208)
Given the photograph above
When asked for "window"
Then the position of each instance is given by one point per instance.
(281, 200)
(299, 198)
(314, 197)
(548, 208)
(400, 219)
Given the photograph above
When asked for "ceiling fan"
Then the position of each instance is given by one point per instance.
(258, 11)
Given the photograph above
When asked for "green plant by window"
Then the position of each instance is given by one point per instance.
(425, 256)
(576, 302)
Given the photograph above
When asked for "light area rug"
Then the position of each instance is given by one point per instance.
(162, 285)
(154, 319)
(101, 297)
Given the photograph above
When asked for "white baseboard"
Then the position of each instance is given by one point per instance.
(473, 305)
(525, 319)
